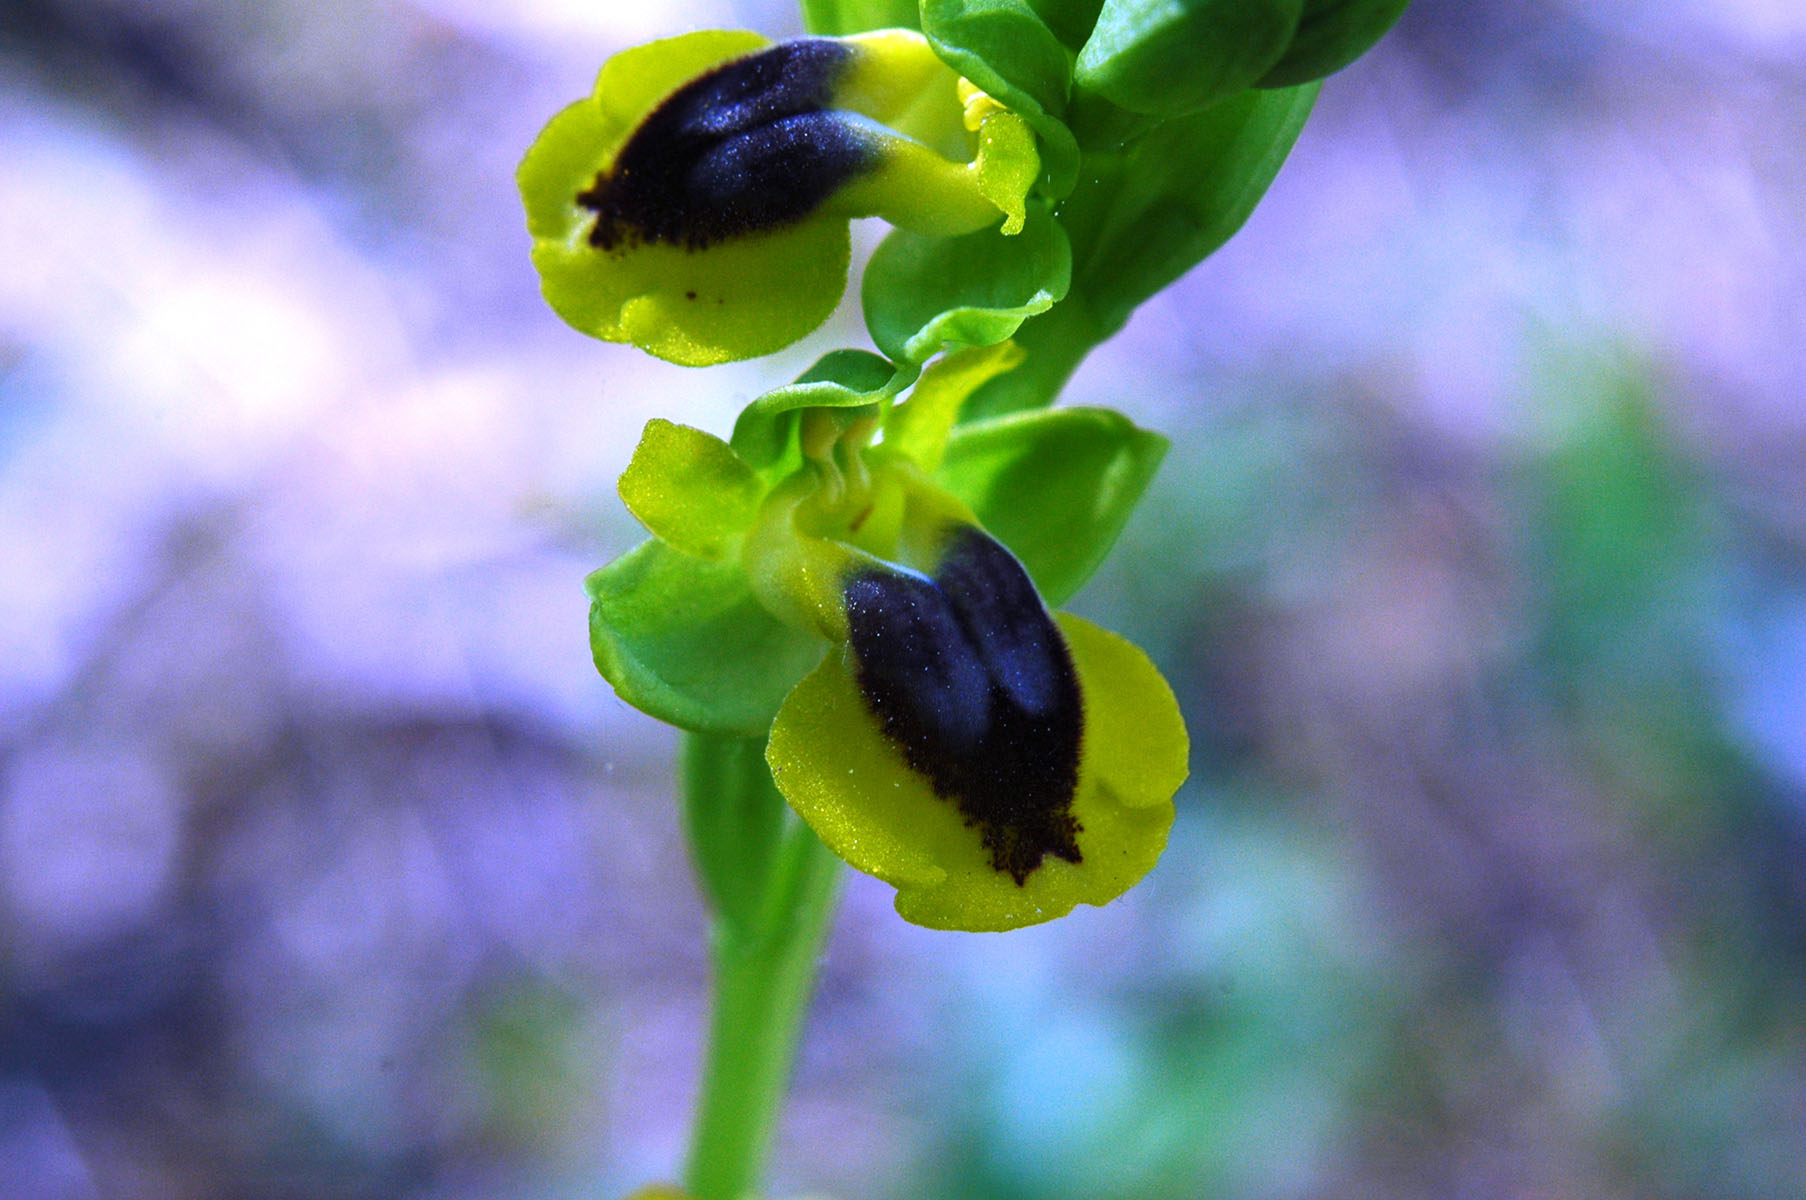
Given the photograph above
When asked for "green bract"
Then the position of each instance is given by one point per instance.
(1331, 34)
(1167, 57)
(842, 775)
(838, 576)
(696, 204)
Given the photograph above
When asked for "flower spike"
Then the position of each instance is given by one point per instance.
(697, 203)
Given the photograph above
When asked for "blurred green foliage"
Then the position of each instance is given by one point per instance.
(1472, 914)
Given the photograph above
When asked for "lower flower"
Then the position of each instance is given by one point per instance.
(995, 763)
(831, 579)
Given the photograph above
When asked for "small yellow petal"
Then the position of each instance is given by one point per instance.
(1008, 166)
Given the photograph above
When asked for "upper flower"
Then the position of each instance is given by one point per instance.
(696, 203)
(839, 576)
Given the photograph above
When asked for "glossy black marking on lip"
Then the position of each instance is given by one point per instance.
(748, 147)
(969, 676)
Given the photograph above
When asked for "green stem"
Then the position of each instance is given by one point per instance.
(764, 952)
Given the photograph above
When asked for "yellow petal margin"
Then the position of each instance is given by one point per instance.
(855, 790)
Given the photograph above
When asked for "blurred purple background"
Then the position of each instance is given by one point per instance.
(329, 867)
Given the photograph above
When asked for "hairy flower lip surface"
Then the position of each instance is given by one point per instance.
(696, 203)
(967, 675)
(963, 744)
(856, 790)
(746, 147)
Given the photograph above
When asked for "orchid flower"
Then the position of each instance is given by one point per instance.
(929, 717)
(697, 203)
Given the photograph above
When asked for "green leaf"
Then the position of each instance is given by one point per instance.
(1055, 486)
(1150, 212)
(735, 819)
(1332, 34)
(683, 639)
(690, 489)
(922, 293)
(765, 433)
(838, 17)
(1005, 48)
(1168, 57)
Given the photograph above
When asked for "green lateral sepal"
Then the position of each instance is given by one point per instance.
(683, 639)
(690, 490)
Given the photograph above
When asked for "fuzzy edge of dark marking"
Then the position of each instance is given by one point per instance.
(757, 131)
(1002, 783)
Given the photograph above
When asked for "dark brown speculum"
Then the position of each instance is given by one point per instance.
(751, 146)
(968, 675)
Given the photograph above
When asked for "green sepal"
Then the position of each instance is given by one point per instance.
(1056, 486)
(765, 432)
(1332, 34)
(1005, 48)
(690, 490)
(923, 293)
(1150, 212)
(1169, 57)
(683, 639)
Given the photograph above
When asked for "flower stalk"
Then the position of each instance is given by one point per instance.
(773, 902)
